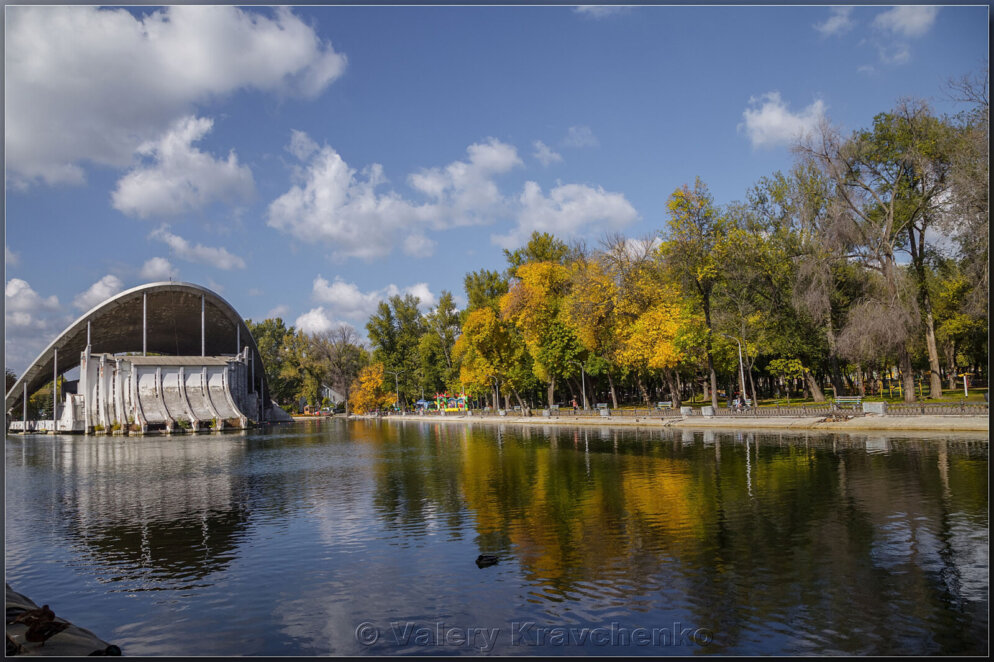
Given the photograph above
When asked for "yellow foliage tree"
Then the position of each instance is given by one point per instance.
(369, 390)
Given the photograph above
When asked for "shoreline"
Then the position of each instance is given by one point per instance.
(949, 423)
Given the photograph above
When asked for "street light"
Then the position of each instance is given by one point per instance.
(741, 373)
(396, 382)
(583, 385)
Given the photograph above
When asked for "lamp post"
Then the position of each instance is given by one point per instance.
(741, 372)
(396, 382)
(583, 385)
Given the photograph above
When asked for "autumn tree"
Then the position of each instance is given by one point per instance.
(695, 251)
(370, 391)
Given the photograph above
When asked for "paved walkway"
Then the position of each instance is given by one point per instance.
(896, 423)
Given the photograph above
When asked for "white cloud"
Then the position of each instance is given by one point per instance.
(99, 292)
(600, 11)
(181, 248)
(769, 123)
(182, 178)
(545, 155)
(580, 136)
(158, 268)
(838, 23)
(31, 322)
(568, 210)
(255, 292)
(301, 145)
(342, 207)
(90, 84)
(314, 321)
(279, 311)
(418, 245)
(10, 258)
(907, 20)
(346, 300)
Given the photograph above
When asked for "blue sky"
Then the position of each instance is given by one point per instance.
(306, 162)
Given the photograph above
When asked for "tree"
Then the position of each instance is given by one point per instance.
(271, 337)
(696, 248)
(11, 379)
(877, 202)
(394, 333)
(369, 390)
(341, 356)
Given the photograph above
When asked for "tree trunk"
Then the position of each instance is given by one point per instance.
(907, 376)
(950, 351)
(812, 383)
(614, 396)
(674, 390)
(645, 394)
(934, 378)
(704, 386)
(752, 385)
(552, 392)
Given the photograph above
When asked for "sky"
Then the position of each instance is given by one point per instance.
(308, 162)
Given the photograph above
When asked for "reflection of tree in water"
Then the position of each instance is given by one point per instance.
(797, 530)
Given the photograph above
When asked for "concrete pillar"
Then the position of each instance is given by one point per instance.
(25, 407)
(238, 338)
(144, 323)
(87, 334)
(55, 388)
(203, 335)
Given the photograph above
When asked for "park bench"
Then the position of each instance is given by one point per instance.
(849, 400)
(664, 405)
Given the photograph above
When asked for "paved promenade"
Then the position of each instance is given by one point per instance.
(951, 423)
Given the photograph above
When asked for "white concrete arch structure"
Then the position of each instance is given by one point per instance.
(167, 319)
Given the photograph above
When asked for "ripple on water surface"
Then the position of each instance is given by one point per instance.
(283, 541)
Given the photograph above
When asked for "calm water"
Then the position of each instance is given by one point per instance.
(361, 538)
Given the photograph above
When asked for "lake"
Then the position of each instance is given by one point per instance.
(361, 538)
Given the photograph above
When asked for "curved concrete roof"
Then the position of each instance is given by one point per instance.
(173, 322)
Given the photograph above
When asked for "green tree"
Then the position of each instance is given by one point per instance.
(695, 250)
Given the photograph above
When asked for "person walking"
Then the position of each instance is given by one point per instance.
(575, 407)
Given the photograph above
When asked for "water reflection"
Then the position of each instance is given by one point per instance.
(777, 543)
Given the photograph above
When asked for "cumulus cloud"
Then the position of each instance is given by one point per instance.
(158, 268)
(580, 136)
(343, 207)
(198, 253)
(839, 22)
(347, 301)
(907, 20)
(99, 292)
(181, 178)
(544, 154)
(568, 210)
(768, 122)
(314, 321)
(31, 322)
(91, 84)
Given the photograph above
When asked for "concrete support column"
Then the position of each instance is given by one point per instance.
(24, 402)
(203, 334)
(144, 323)
(55, 389)
(238, 338)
